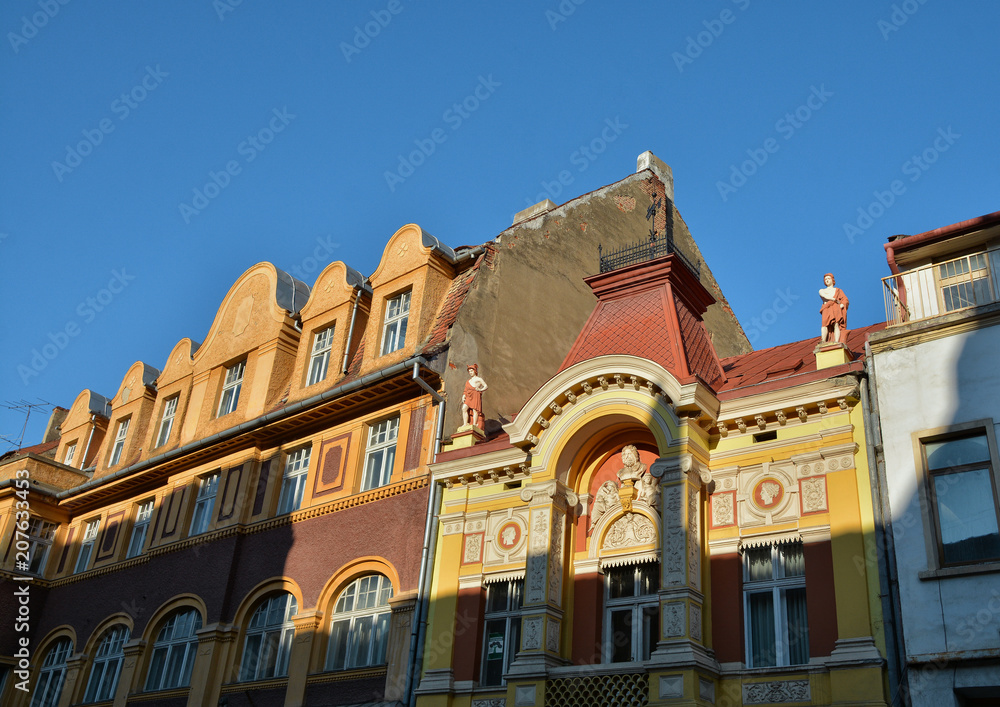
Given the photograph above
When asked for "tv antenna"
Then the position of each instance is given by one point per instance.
(25, 406)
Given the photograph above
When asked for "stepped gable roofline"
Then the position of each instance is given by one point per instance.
(789, 364)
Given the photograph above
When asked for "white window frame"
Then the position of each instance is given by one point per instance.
(272, 628)
(293, 483)
(49, 684)
(107, 665)
(319, 359)
(167, 420)
(397, 315)
(91, 529)
(119, 446)
(69, 454)
(229, 400)
(204, 505)
(929, 491)
(380, 454)
(361, 616)
(140, 528)
(641, 605)
(41, 535)
(174, 651)
(777, 586)
(505, 611)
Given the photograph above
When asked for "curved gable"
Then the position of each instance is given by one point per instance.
(180, 362)
(334, 286)
(139, 375)
(403, 253)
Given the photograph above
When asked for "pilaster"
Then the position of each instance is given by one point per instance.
(307, 625)
(400, 628)
(71, 684)
(131, 655)
(215, 650)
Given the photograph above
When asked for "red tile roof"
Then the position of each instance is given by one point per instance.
(786, 365)
(39, 449)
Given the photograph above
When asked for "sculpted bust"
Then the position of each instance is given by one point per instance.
(633, 469)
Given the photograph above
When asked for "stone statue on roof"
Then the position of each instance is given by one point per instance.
(833, 311)
(472, 398)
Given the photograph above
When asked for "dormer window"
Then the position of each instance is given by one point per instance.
(397, 312)
(120, 435)
(70, 453)
(167, 421)
(231, 388)
(319, 361)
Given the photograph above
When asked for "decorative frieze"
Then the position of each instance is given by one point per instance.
(631, 530)
(776, 691)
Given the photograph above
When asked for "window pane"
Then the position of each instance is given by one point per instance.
(175, 659)
(956, 452)
(759, 564)
(967, 515)
(650, 630)
(798, 627)
(493, 656)
(649, 578)
(762, 644)
(156, 663)
(496, 596)
(621, 636)
(380, 643)
(250, 656)
(360, 644)
(337, 656)
(621, 582)
(794, 559)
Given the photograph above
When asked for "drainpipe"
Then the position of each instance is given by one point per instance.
(890, 256)
(885, 545)
(350, 331)
(419, 628)
(83, 459)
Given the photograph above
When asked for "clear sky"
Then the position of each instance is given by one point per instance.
(153, 151)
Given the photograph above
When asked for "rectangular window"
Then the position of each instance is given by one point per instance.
(381, 453)
(319, 361)
(965, 282)
(397, 311)
(632, 612)
(167, 421)
(70, 453)
(502, 629)
(963, 498)
(87, 546)
(140, 529)
(120, 435)
(231, 389)
(774, 593)
(41, 533)
(294, 483)
(202, 518)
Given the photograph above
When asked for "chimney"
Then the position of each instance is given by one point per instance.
(647, 160)
(52, 430)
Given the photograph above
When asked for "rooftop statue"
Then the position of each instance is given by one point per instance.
(472, 398)
(833, 311)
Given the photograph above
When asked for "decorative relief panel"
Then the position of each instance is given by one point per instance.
(813, 494)
(673, 619)
(494, 702)
(723, 509)
(537, 556)
(631, 530)
(767, 494)
(473, 552)
(552, 636)
(694, 539)
(673, 537)
(506, 537)
(453, 527)
(696, 622)
(556, 558)
(760, 693)
(532, 639)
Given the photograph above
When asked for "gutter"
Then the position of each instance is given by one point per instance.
(250, 425)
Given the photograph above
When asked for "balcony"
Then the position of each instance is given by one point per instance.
(942, 288)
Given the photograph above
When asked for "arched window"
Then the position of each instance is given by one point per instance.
(107, 665)
(269, 639)
(174, 651)
(360, 628)
(49, 686)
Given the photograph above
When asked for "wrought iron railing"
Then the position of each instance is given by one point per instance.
(933, 290)
(621, 690)
(641, 252)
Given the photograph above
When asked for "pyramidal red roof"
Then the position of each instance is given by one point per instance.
(652, 310)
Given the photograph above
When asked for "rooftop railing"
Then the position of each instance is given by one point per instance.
(640, 252)
(941, 288)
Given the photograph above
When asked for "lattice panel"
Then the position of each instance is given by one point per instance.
(598, 690)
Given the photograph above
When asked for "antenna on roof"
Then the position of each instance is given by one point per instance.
(25, 406)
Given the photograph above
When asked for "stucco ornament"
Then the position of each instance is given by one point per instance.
(630, 530)
(633, 477)
(833, 311)
(472, 398)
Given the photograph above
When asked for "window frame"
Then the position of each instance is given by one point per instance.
(286, 636)
(378, 613)
(320, 353)
(121, 435)
(44, 695)
(87, 543)
(386, 446)
(186, 644)
(396, 323)
(143, 518)
(115, 636)
(167, 415)
(778, 586)
(293, 480)
(232, 384)
(639, 604)
(927, 492)
(70, 454)
(40, 540)
(510, 614)
(204, 500)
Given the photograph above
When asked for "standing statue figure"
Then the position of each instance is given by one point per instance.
(833, 311)
(472, 398)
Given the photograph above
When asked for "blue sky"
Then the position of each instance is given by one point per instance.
(783, 123)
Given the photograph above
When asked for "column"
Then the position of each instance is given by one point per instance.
(307, 624)
(131, 656)
(215, 653)
(551, 506)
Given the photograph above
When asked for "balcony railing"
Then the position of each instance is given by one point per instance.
(933, 290)
(640, 252)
